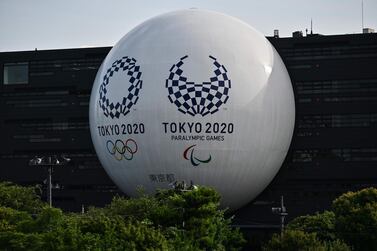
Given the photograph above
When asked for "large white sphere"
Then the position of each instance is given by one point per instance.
(195, 96)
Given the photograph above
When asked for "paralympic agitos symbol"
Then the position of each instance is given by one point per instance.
(122, 149)
(194, 161)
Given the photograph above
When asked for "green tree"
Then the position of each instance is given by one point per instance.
(203, 222)
(322, 224)
(297, 240)
(353, 219)
(52, 230)
(356, 218)
(292, 240)
(116, 233)
(20, 198)
(11, 218)
(336, 245)
(171, 220)
(190, 216)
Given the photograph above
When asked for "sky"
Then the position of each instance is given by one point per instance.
(57, 24)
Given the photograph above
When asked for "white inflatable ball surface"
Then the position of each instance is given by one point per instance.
(194, 96)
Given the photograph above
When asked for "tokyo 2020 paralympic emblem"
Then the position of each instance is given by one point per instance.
(122, 149)
(115, 108)
(198, 98)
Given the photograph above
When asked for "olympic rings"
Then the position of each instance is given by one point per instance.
(121, 149)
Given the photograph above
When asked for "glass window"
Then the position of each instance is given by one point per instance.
(339, 154)
(337, 120)
(16, 73)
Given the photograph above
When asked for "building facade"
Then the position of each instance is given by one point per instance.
(44, 111)
(334, 146)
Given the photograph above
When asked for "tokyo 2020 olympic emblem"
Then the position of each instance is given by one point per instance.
(122, 149)
(115, 108)
(198, 98)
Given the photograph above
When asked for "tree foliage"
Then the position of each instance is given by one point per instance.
(297, 240)
(190, 218)
(171, 220)
(292, 240)
(20, 198)
(53, 230)
(356, 218)
(352, 222)
(322, 224)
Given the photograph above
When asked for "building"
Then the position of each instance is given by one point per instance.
(334, 147)
(44, 111)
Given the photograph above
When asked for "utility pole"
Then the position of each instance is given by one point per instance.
(282, 212)
(49, 162)
(49, 185)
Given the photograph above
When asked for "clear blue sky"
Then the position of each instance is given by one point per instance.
(50, 24)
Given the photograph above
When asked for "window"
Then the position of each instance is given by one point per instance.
(329, 52)
(338, 154)
(16, 73)
(368, 120)
(41, 68)
(336, 87)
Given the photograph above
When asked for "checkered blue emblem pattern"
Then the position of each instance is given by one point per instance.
(114, 109)
(193, 98)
